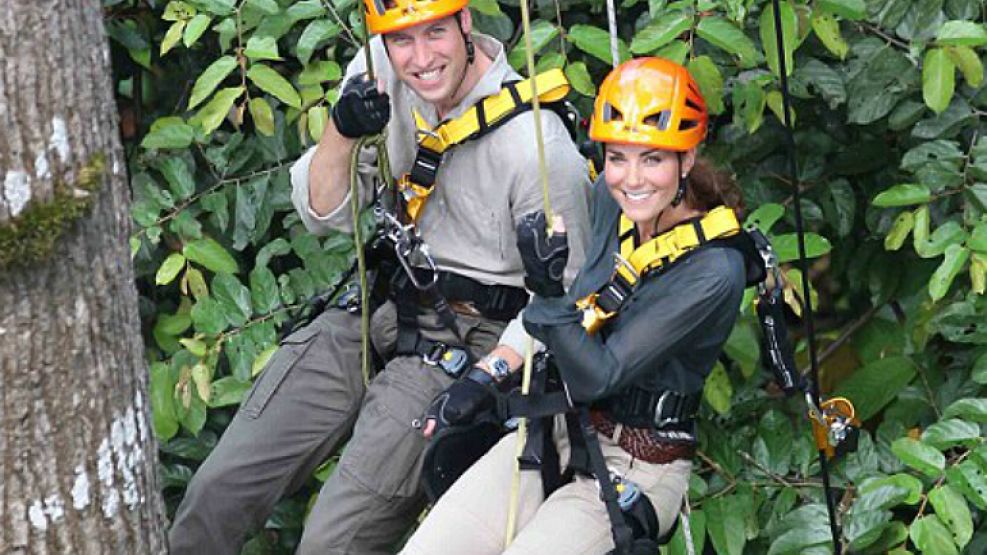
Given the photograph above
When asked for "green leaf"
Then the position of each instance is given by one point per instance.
(797, 541)
(979, 372)
(962, 33)
(179, 176)
(318, 116)
(968, 477)
(924, 458)
(776, 103)
(172, 37)
(717, 390)
(710, 81)
(827, 28)
(969, 63)
(195, 28)
(317, 32)
(486, 7)
(727, 37)
(864, 527)
(272, 82)
(875, 385)
(169, 269)
(163, 418)
(261, 361)
(930, 536)
(211, 255)
(227, 391)
(952, 264)
(263, 116)
(542, 32)
(910, 486)
(938, 79)
(952, 510)
(320, 71)
(216, 7)
(168, 132)
(215, 111)
(269, 7)
(210, 79)
(208, 317)
(725, 522)
(847, 9)
(769, 36)
(676, 51)
(262, 48)
(950, 432)
(899, 231)
(596, 42)
(579, 78)
(904, 194)
(786, 246)
(765, 216)
(233, 298)
(196, 283)
(195, 346)
(970, 408)
(660, 32)
(263, 290)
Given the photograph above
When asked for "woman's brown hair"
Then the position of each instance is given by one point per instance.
(709, 186)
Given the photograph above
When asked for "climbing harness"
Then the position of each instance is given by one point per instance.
(484, 116)
(635, 261)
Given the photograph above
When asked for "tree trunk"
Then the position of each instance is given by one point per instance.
(78, 457)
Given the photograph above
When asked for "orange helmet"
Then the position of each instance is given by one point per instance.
(651, 102)
(385, 16)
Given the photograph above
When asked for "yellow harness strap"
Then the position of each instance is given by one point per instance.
(513, 99)
(634, 261)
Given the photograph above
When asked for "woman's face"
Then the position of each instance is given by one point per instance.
(643, 180)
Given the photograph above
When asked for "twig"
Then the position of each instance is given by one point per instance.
(847, 333)
(349, 33)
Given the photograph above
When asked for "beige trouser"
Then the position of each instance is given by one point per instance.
(472, 516)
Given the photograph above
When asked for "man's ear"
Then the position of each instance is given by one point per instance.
(465, 21)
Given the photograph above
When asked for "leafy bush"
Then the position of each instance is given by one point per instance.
(218, 98)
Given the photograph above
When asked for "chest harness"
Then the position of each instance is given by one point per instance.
(422, 283)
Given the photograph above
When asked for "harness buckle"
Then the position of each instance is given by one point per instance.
(434, 354)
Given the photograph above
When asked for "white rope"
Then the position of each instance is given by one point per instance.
(612, 23)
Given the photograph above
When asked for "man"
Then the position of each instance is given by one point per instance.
(311, 394)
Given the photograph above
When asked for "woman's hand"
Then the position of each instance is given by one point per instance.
(544, 256)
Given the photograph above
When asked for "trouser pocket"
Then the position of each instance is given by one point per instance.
(384, 454)
(291, 350)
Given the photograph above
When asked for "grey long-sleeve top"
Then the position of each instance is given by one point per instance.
(483, 186)
(669, 332)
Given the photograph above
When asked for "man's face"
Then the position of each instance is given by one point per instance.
(430, 57)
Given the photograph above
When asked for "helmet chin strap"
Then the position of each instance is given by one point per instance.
(680, 193)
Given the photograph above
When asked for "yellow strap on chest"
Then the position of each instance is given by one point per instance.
(636, 261)
(666, 248)
(552, 86)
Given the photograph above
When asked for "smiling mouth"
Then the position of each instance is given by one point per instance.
(637, 196)
(430, 75)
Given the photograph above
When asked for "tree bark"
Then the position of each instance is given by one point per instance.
(78, 456)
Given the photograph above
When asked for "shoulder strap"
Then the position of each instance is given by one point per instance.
(478, 120)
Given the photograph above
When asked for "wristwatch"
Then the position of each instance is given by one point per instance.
(499, 367)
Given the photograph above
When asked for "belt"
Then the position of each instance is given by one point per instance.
(641, 443)
(642, 408)
(497, 302)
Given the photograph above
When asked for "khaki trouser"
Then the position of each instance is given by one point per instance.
(472, 516)
(308, 399)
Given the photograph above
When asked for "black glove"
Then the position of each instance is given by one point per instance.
(361, 109)
(462, 400)
(544, 256)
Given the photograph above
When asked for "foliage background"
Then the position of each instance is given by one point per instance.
(218, 98)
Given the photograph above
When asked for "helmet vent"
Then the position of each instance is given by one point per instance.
(659, 120)
(692, 104)
(611, 114)
(687, 124)
(383, 5)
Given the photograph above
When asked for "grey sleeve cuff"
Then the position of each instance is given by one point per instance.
(516, 338)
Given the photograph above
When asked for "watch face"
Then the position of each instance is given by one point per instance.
(499, 367)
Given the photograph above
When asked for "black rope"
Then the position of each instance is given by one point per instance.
(810, 330)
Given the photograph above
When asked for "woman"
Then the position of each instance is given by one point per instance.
(634, 339)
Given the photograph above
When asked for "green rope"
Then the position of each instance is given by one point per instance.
(361, 261)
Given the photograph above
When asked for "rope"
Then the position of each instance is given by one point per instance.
(612, 24)
(361, 262)
(522, 433)
(810, 331)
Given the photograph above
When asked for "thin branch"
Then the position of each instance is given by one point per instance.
(777, 478)
(349, 33)
(880, 32)
(847, 333)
